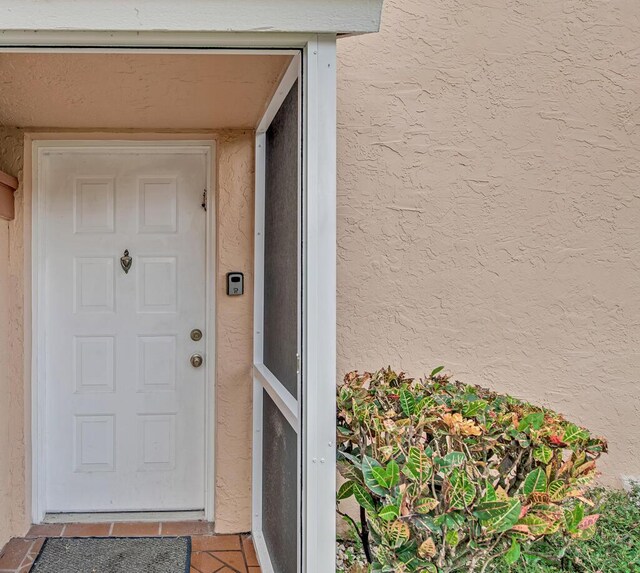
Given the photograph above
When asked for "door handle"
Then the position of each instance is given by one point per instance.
(196, 360)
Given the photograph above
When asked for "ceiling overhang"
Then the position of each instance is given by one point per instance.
(212, 16)
(142, 90)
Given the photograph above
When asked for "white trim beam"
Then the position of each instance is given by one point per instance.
(319, 489)
(283, 89)
(286, 403)
(313, 16)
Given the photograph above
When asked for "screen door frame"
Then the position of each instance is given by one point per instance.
(312, 415)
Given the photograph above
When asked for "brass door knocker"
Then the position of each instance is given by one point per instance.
(126, 261)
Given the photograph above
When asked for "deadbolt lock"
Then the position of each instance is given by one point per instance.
(196, 334)
(196, 360)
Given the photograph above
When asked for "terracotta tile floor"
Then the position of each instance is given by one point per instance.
(209, 553)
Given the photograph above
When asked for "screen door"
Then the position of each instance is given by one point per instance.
(277, 328)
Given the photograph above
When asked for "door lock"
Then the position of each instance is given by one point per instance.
(196, 334)
(196, 360)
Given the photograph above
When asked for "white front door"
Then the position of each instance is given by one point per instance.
(125, 407)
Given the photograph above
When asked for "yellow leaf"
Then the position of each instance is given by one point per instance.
(399, 533)
(428, 549)
(501, 494)
(426, 504)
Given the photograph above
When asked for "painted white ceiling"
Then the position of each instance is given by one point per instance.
(136, 91)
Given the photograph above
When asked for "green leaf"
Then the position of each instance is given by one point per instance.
(380, 475)
(473, 408)
(346, 490)
(462, 491)
(350, 458)
(536, 525)
(536, 481)
(573, 434)
(436, 370)
(556, 490)
(349, 472)
(418, 465)
(342, 430)
(533, 421)
(410, 471)
(368, 465)
(574, 517)
(363, 497)
(499, 515)
(393, 474)
(427, 522)
(514, 552)
(389, 513)
(425, 505)
(454, 520)
(452, 538)
(543, 453)
(490, 494)
(407, 402)
(453, 459)
(425, 404)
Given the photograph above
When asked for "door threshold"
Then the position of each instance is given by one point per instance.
(123, 516)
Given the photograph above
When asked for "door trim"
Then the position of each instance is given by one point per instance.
(38, 285)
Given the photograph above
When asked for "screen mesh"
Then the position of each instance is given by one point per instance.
(281, 243)
(280, 488)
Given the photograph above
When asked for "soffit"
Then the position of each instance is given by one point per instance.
(136, 91)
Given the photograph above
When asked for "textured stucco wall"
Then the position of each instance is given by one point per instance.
(12, 402)
(489, 212)
(234, 334)
(234, 203)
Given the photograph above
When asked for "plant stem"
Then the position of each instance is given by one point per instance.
(364, 534)
(352, 521)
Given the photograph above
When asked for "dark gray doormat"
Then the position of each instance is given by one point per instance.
(114, 555)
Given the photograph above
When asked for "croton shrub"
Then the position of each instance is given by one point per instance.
(451, 477)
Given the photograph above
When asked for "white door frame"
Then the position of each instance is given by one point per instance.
(39, 334)
(319, 256)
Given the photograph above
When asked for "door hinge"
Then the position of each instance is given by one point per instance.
(298, 363)
(204, 199)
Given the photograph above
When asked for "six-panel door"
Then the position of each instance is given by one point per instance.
(124, 406)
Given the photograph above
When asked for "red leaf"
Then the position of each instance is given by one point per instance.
(521, 528)
(589, 521)
(556, 440)
(524, 510)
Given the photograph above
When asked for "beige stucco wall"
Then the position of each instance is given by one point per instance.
(489, 213)
(234, 204)
(234, 335)
(488, 221)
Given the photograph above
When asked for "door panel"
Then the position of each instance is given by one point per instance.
(124, 407)
(278, 341)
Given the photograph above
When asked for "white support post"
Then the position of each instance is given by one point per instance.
(319, 355)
